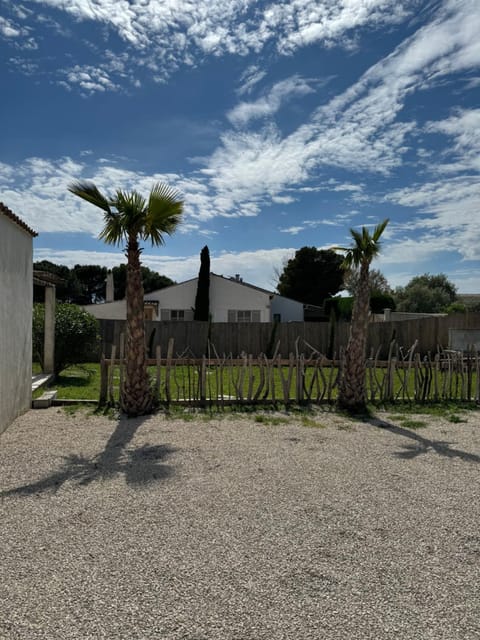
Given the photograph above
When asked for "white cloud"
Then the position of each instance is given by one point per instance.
(164, 35)
(464, 128)
(292, 230)
(450, 215)
(250, 78)
(271, 102)
(358, 130)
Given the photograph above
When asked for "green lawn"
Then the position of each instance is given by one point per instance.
(79, 382)
(82, 382)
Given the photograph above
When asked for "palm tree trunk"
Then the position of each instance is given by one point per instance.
(352, 392)
(136, 394)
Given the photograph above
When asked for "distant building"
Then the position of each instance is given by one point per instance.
(231, 300)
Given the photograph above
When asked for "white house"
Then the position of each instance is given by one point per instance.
(16, 300)
(231, 300)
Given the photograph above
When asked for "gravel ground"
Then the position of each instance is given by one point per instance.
(235, 529)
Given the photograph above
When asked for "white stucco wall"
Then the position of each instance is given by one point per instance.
(289, 310)
(108, 311)
(178, 296)
(16, 296)
(228, 294)
(225, 295)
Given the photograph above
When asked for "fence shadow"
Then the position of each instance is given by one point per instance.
(141, 466)
(420, 444)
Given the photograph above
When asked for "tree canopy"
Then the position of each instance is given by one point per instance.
(377, 282)
(85, 284)
(152, 281)
(426, 294)
(311, 276)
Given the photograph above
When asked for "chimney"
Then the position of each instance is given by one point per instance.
(109, 297)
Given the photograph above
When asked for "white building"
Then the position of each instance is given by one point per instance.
(231, 300)
(16, 300)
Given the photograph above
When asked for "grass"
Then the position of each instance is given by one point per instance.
(408, 423)
(82, 382)
(78, 382)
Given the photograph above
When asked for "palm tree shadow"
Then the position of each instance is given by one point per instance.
(420, 444)
(140, 466)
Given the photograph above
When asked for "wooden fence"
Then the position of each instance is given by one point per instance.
(257, 338)
(299, 378)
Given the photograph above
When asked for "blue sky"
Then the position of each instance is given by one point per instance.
(283, 124)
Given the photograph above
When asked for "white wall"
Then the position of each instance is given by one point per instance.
(228, 294)
(289, 310)
(108, 311)
(16, 296)
(177, 296)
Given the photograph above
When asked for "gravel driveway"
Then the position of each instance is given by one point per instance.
(236, 529)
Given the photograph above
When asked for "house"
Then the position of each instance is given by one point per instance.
(16, 296)
(231, 300)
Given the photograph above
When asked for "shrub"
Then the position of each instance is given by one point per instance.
(381, 301)
(76, 335)
(456, 307)
(342, 307)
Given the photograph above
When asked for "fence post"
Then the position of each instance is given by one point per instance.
(110, 375)
(158, 379)
(167, 372)
(103, 381)
(203, 381)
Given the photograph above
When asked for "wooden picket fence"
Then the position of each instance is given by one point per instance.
(298, 379)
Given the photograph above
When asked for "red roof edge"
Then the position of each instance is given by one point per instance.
(6, 211)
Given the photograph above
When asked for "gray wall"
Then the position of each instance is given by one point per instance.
(255, 338)
(16, 297)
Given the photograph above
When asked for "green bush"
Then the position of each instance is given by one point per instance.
(76, 335)
(381, 301)
(456, 307)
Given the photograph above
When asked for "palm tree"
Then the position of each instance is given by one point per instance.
(129, 218)
(365, 247)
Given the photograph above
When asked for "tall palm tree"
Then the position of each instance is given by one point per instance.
(365, 247)
(130, 218)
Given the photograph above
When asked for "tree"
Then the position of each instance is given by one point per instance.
(202, 298)
(426, 294)
(129, 218)
(378, 284)
(152, 281)
(311, 276)
(76, 335)
(365, 248)
(91, 278)
(67, 291)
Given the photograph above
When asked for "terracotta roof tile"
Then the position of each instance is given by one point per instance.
(7, 212)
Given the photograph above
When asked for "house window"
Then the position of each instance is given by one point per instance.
(243, 315)
(176, 315)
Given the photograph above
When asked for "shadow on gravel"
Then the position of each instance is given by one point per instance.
(140, 466)
(422, 445)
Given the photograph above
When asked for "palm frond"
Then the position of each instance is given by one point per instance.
(164, 213)
(89, 192)
(114, 230)
(379, 229)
